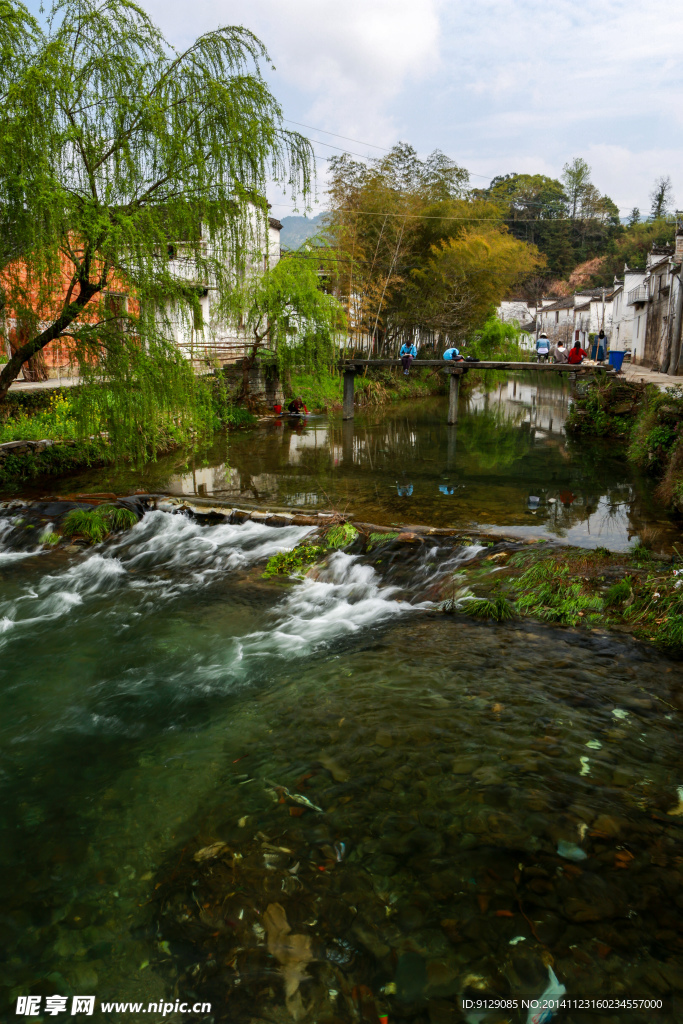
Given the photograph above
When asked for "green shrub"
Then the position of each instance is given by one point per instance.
(97, 523)
(341, 536)
(294, 562)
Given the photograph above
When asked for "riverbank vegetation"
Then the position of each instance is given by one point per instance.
(646, 422)
(80, 425)
(131, 174)
(630, 591)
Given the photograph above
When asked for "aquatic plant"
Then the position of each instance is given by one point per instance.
(380, 538)
(497, 608)
(294, 562)
(50, 538)
(97, 523)
(341, 536)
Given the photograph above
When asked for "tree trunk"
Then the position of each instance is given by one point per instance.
(34, 346)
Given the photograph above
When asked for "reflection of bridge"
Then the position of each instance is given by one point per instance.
(353, 366)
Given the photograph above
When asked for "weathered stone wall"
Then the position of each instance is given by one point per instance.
(264, 381)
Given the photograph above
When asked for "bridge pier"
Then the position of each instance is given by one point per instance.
(347, 413)
(453, 396)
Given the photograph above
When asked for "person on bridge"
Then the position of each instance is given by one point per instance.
(454, 354)
(542, 347)
(560, 354)
(407, 354)
(576, 354)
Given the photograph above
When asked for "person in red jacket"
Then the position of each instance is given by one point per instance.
(576, 354)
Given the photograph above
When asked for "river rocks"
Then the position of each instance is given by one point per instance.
(411, 977)
(465, 765)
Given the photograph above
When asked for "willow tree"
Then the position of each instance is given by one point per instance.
(149, 189)
(286, 311)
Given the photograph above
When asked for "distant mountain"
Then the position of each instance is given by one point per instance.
(295, 230)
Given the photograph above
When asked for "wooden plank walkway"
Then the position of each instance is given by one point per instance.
(455, 370)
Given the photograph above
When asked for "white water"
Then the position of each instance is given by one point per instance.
(166, 555)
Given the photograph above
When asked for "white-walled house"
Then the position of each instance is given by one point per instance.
(212, 341)
(623, 310)
(574, 318)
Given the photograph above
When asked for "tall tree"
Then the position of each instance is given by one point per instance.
(576, 179)
(147, 154)
(661, 198)
(634, 217)
(417, 254)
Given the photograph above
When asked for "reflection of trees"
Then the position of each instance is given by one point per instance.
(492, 462)
(495, 437)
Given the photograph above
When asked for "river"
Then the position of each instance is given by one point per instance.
(322, 799)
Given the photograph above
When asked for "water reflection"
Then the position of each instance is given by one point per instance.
(506, 465)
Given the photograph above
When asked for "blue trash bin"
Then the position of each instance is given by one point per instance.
(616, 359)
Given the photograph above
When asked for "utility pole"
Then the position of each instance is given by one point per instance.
(678, 316)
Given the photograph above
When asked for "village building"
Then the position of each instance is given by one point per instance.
(576, 317)
(209, 341)
(623, 310)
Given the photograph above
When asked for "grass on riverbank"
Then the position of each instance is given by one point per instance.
(323, 391)
(56, 415)
(630, 591)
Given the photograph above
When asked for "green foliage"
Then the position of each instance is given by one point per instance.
(639, 553)
(55, 422)
(50, 538)
(286, 308)
(420, 252)
(130, 175)
(320, 388)
(94, 525)
(497, 608)
(606, 407)
(341, 536)
(618, 593)
(294, 562)
(569, 220)
(499, 340)
(547, 591)
(58, 459)
(376, 539)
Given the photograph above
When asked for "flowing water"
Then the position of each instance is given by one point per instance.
(443, 809)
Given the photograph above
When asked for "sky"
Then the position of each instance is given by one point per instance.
(499, 86)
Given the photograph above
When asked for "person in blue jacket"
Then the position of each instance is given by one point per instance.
(453, 353)
(407, 354)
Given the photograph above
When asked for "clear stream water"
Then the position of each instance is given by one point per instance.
(442, 808)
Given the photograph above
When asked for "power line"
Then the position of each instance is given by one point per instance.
(360, 143)
(383, 149)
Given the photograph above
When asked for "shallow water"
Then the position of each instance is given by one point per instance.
(423, 771)
(442, 808)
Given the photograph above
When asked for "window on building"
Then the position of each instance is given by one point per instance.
(557, 318)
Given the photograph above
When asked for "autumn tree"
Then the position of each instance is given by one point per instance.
(416, 254)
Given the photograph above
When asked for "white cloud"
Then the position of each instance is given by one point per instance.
(499, 86)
